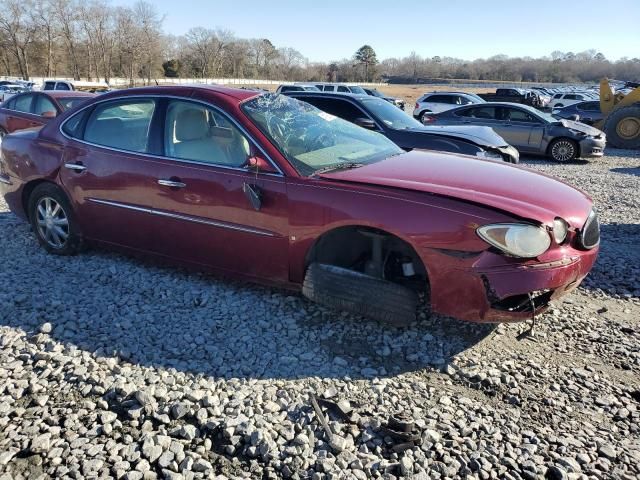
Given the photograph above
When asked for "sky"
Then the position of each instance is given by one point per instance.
(325, 30)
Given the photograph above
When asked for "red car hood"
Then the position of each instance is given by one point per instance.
(519, 191)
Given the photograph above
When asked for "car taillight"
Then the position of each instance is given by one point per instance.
(417, 106)
(428, 119)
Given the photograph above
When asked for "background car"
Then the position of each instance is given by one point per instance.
(297, 88)
(341, 88)
(376, 114)
(398, 102)
(587, 112)
(441, 101)
(560, 100)
(265, 187)
(530, 130)
(33, 109)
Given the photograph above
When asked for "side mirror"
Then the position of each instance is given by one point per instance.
(48, 114)
(366, 123)
(575, 118)
(259, 165)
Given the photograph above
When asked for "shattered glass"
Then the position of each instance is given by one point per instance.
(313, 140)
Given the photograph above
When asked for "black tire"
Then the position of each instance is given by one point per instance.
(48, 193)
(563, 150)
(613, 127)
(422, 115)
(354, 292)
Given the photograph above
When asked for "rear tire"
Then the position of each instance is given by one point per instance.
(422, 115)
(53, 221)
(361, 294)
(563, 150)
(622, 127)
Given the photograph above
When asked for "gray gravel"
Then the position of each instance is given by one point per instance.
(115, 367)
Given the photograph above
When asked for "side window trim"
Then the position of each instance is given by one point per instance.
(88, 110)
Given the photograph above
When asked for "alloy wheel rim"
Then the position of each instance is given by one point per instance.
(563, 151)
(53, 223)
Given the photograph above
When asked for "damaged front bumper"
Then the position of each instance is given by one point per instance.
(507, 292)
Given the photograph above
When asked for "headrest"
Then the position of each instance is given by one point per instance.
(191, 124)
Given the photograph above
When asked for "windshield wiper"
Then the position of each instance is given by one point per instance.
(337, 166)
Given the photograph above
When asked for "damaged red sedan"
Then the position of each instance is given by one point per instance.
(269, 188)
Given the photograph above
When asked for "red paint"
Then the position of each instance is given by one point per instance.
(13, 120)
(431, 200)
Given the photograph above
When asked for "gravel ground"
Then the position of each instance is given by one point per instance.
(114, 367)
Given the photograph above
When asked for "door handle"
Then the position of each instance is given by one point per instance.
(172, 183)
(75, 166)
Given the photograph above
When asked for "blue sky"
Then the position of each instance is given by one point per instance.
(324, 30)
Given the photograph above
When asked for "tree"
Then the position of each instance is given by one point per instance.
(18, 31)
(171, 68)
(366, 56)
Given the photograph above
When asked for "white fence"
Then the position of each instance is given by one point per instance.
(123, 82)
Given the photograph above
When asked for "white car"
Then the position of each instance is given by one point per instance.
(341, 88)
(436, 102)
(560, 100)
(297, 87)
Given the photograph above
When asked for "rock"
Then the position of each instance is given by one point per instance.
(179, 410)
(607, 451)
(202, 465)
(556, 473)
(46, 328)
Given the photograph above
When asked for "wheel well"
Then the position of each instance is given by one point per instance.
(26, 193)
(577, 144)
(352, 246)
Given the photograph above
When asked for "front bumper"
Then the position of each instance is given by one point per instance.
(593, 146)
(491, 290)
(510, 154)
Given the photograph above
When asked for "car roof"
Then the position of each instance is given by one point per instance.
(66, 93)
(238, 94)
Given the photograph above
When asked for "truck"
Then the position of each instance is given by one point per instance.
(513, 95)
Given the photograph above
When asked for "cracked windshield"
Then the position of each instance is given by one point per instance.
(315, 141)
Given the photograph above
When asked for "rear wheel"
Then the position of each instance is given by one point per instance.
(563, 150)
(53, 221)
(623, 127)
(423, 115)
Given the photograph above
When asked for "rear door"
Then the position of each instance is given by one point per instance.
(520, 128)
(109, 172)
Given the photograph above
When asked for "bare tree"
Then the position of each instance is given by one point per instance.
(19, 31)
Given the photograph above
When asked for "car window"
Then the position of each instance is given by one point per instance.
(44, 104)
(517, 115)
(342, 88)
(328, 88)
(121, 124)
(49, 85)
(62, 86)
(460, 100)
(196, 132)
(290, 88)
(9, 104)
(589, 107)
(557, 95)
(488, 113)
(70, 102)
(338, 107)
(23, 103)
(440, 99)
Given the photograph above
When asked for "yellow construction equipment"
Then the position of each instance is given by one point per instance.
(621, 115)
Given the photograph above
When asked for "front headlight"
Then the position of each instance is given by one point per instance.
(489, 154)
(516, 239)
(560, 229)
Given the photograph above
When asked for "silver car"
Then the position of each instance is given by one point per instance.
(529, 130)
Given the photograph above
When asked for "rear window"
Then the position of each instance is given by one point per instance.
(440, 99)
(62, 86)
